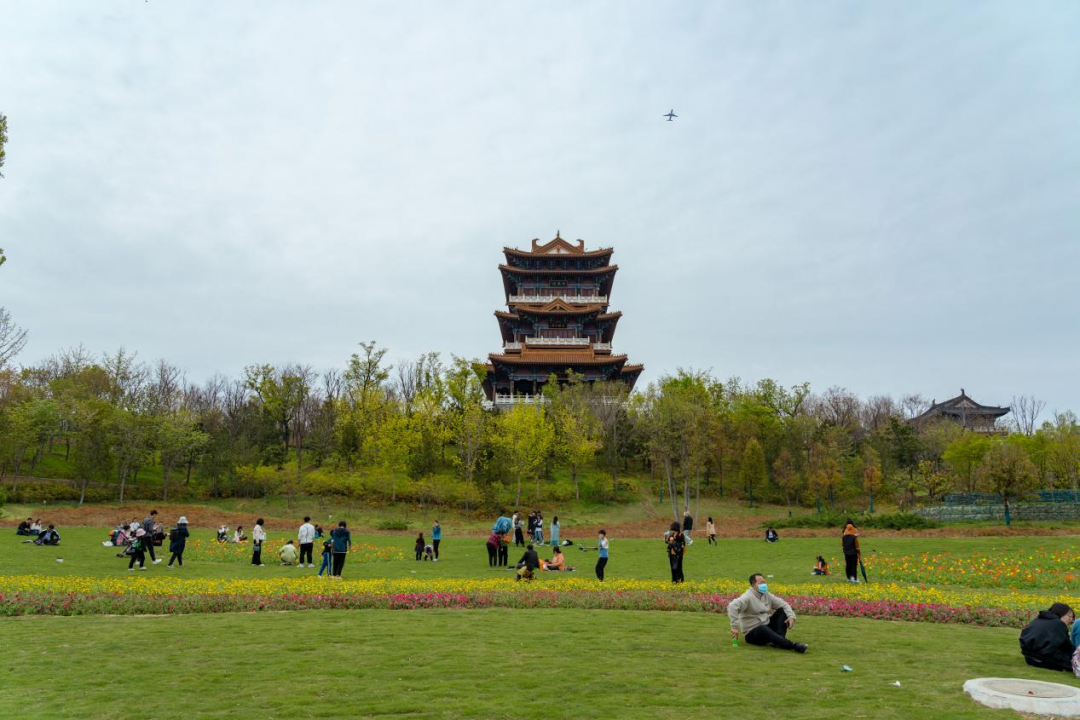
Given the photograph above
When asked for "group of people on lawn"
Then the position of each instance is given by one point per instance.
(39, 535)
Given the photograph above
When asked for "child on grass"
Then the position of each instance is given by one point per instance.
(138, 551)
(327, 555)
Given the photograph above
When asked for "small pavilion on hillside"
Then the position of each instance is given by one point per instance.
(965, 412)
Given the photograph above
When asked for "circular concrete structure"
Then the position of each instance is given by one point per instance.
(1030, 696)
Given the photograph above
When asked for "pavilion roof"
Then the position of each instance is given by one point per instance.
(527, 271)
(963, 405)
(557, 306)
(557, 246)
(563, 358)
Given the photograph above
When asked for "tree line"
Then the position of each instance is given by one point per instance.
(421, 430)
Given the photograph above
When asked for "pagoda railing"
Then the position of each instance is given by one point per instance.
(511, 400)
(579, 299)
(511, 346)
(558, 341)
(602, 346)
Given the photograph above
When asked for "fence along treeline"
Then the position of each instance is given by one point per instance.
(419, 431)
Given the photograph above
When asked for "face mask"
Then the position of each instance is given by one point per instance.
(763, 588)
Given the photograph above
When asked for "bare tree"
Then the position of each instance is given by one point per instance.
(876, 412)
(1026, 410)
(12, 338)
(914, 405)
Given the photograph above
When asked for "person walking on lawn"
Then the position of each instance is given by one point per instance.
(148, 526)
(305, 538)
(258, 537)
(602, 554)
(342, 542)
(688, 527)
(177, 542)
(762, 617)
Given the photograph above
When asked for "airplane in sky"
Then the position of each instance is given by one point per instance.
(671, 115)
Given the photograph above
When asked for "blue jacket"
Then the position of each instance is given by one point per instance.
(342, 539)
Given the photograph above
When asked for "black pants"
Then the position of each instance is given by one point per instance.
(1062, 662)
(419, 554)
(178, 556)
(305, 551)
(676, 569)
(519, 537)
(851, 567)
(256, 555)
(775, 633)
(137, 557)
(150, 547)
(339, 564)
(504, 555)
(712, 539)
(492, 555)
(600, 564)
(435, 547)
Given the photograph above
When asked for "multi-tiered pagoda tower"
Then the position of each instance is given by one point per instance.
(557, 320)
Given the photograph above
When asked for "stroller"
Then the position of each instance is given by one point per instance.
(119, 538)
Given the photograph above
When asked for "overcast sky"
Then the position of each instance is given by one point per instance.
(879, 195)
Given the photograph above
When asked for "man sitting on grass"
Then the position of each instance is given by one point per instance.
(762, 617)
(48, 536)
(24, 527)
(288, 554)
(1045, 641)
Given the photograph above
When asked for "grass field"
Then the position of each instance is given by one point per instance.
(548, 663)
(487, 664)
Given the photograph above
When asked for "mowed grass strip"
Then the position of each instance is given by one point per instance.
(490, 663)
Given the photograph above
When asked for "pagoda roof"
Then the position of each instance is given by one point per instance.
(527, 271)
(557, 306)
(962, 405)
(632, 368)
(610, 316)
(558, 246)
(564, 358)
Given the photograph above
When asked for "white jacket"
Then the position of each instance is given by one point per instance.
(306, 534)
(752, 609)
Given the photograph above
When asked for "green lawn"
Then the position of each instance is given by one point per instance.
(490, 663)
(788, 561)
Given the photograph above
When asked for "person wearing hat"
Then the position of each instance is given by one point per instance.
(178, 541)
(1045, 641)
(138, 550)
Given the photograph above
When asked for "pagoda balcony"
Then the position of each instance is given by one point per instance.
(516, 346)
(565, 297)
(556, 341)
(505, 401)
(600, 347)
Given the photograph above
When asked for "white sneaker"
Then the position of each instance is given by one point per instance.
(262, 564)
(157, 561)
(143, 567)
(131, 569)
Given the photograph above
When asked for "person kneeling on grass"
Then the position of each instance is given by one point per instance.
(528, 563)
(47, 537)
(288, 553)
(762, 617)
(820, 567)
(1045, 641)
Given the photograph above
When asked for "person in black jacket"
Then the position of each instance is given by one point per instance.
(852, 552)
(528, 563)
(178, 541)
(676, 547)
(687, 527)
(1045, 641)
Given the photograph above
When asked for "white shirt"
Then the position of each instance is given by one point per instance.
(306, 534)
(258, 534)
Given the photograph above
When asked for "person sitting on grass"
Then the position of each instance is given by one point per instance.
(820, 567)
(239, 536)
(24, 527)
(1045, 641)
(558, 561)
(762, 617)
(528, 563)
(771, 535)
(49, 536)
(36, 527)
(223, 534)
(288, 553)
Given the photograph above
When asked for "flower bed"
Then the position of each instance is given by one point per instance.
(46, 595)
(1042, 568)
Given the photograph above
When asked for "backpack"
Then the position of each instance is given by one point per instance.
(174, 535)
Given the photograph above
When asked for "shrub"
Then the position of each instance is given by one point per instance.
(392, 525)
(894, 521)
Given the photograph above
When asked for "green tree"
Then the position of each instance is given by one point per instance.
(3, 155)
(785, 475)
(524, 436)
(871, 473)
(576, 428)
(752, 470)
(964, 455)
(178, 438)
(1008, 471)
